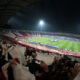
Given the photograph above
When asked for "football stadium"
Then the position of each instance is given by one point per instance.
(46, 46)
(55, 43)
(39, 40)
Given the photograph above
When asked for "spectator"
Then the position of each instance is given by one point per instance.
(38, 68)
(2, 61)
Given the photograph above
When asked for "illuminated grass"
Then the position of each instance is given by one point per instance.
(63, 44)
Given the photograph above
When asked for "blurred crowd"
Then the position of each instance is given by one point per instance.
(62, 68)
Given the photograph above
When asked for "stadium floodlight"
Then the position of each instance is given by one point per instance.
(41, 23)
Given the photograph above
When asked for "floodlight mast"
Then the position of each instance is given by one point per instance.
(41, 24)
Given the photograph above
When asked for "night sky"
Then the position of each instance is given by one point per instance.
(58, 16)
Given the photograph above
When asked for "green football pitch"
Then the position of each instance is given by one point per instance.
(63, 44)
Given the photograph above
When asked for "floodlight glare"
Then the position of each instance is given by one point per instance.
(41, 22)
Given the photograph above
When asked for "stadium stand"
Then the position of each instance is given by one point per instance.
(38, 66)
(28, 62)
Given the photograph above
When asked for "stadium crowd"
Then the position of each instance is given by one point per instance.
(11, 67)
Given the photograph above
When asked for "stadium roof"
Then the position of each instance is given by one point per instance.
(8, 8)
